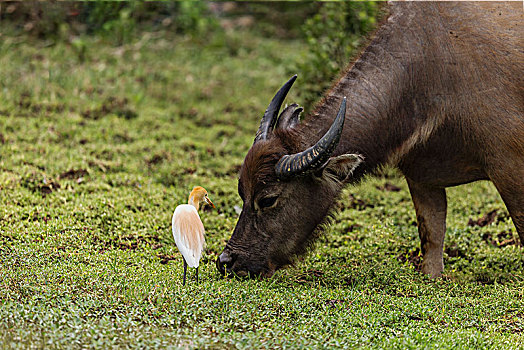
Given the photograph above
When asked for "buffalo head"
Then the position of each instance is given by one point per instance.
(286, 191)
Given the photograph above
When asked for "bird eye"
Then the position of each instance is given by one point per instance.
(267, 202)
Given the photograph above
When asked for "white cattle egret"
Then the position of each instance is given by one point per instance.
(188, 229)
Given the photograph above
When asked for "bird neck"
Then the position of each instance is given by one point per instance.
(193, 201)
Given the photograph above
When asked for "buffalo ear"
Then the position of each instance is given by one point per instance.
(289, 117)
(339, 168)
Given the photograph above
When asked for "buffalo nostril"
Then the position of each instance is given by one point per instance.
(224, 260)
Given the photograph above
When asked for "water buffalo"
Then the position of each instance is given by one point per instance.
(438, 93)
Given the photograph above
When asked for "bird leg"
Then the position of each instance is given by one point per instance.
(197, 274)
(185, 270)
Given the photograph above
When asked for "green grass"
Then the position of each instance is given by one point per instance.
(96, 153)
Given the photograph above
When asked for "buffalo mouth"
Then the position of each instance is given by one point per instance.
(235, 269)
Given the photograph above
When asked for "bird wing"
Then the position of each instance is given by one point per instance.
(188, 232)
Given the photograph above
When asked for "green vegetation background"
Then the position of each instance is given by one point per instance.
(111, 113)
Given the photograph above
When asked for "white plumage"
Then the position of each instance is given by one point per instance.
(188, 232)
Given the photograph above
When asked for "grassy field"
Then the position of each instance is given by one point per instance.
(98, 148)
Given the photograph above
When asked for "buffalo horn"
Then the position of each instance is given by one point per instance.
(315, 156)
(270, 116)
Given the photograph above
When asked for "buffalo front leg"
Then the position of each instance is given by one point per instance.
(430, 206)
(512, 193)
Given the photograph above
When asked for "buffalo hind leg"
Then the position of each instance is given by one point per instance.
(430, 206)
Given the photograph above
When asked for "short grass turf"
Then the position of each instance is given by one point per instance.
(98, 148)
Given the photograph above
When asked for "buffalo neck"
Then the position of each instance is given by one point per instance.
(385, 102)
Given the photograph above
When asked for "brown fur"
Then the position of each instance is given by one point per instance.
(438, 92)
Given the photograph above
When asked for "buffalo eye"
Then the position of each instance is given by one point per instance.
(267, 202)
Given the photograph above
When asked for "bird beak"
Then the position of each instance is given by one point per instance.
(208, 201)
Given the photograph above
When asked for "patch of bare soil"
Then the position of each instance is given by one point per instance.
(356, 203)
(455, 252)
(308, 276)
(389, 187)
(502, 239)
(485, 220)
(413, 257)
(112, 105)
(127, 242)
(157, 159)
(74, 174)
(164, 258)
